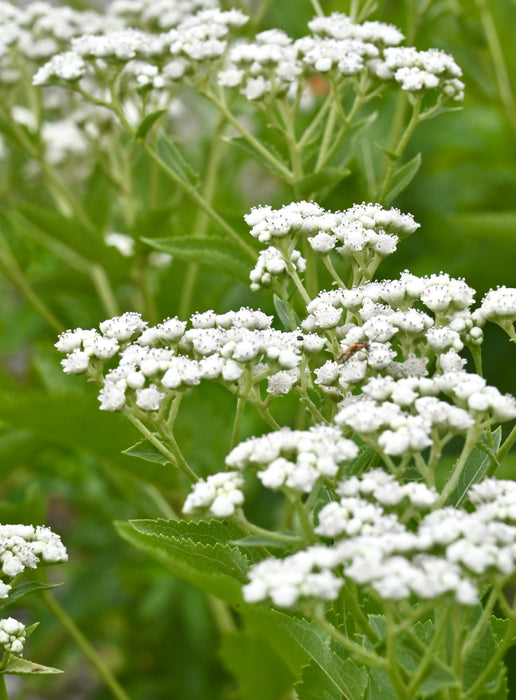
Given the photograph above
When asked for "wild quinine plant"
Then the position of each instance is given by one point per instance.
(356, 557)
(403, 572)
(22, 547)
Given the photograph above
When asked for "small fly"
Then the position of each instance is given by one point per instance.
(352, 350)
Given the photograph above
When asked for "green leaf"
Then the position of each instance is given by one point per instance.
(67, 231)
(259, 670)
(24, 667)
(326, 178)
(380, 686)
(146, 450)
(25, 589)
(362, 462)
(315, 685)
(219, 568)
(72, 418)
(148, 122)
(403, 177)
(361, 127)
(256, 155)
(349, 679)
(172, 157)
(283, 314)
(258, 541)
(213, 252)
(475, 468)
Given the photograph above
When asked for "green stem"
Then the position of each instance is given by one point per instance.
(3, 689)
(84, 645)
(14, 273)
(317, 8)
(501, 648)
(278, 166)
(501, 72)
(272, 535)
(509, 442)
(369, 658)
(398, 152)
(241, 403)
(198, 198)
(473, 636)
(103, 287)
(173, 455)
(304, 519)
(429, 655)
(201, 221)
(333, 272)
(471, 439)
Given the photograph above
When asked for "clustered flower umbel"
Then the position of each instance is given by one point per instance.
(158, 361)
(273, 64)
(450, 552)
(363, 234)
(21, 547)
(199, 37)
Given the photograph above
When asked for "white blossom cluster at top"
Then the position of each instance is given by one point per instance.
(273, 64)
(363, 234)
(158, 361)
(450, 551)
(21, 547)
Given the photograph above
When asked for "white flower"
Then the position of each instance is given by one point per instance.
(219, 494)
(12, 635)
(68, 67)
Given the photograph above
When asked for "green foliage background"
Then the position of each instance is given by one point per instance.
(61, 460)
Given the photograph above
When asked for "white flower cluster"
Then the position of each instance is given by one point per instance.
(498, 306)
(271, 265)
(24, 546)
(273, 64)
(263, 68)
(450, 552)
(294, 459)
(419, 71)
(365, 233)
(383, 318)
(12, 635)
(157, 361)
(157, 15)
(199, 37)
(219, 494)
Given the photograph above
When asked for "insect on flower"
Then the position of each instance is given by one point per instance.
(352, 350)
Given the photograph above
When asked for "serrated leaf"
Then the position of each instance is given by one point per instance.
(361, 463)
(219, 569)
(25, 589)
(403, 177)
(474, 469)
(260, 672)
(380, 686)
(259, 541)
(216, 253)
(315, 685)
(172, 157)
(24, 667)
(148, 122)
(315, 182)
(350, 679)
(146, 450)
